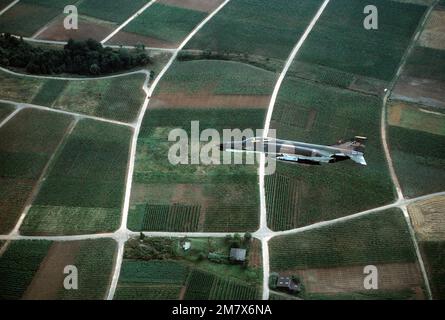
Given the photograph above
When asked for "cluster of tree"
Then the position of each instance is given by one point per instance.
(150, 249)
(77, 57)
(239, 242)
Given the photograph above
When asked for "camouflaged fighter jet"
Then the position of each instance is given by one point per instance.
(300, 152)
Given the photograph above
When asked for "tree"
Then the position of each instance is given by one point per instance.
(247, 237)
(141, 236)
(94, 69)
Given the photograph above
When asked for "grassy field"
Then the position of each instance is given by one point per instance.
(115, 11)
(383, 238)
(416, 117)
(28, 141)
(302, 195)
(164, 22)
(433, 253)
(5, 110)
(118, 98)
(29, 16)
(349, 47)
(18, 265)
(255, 27)
(89, 172)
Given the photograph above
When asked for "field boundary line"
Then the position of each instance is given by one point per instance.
(9, 6)
(36, 189)
(120, 75)
(125, 23)
(149, 91)
(21, 106)
(261, 172)
(11, 115)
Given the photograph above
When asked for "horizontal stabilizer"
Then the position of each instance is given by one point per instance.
(359, 158)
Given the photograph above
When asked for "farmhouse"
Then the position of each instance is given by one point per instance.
(238, 255)
(287, 283)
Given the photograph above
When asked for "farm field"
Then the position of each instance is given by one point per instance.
(428, 220)
(33, 270)
(301, 195)
(28, 141)
(220, 95)
(83, 191)
(372, 54)
(418, 150)
(161, 269)
(28, 16)
(114, 11)
(117, 98)
(161, 24)
(5, 110)
(330, 260)
(422, 79)
(433, 254)
(250, 27)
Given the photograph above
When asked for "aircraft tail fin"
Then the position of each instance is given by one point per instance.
(355, 144)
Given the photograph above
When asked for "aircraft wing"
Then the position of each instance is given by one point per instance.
(299, 158)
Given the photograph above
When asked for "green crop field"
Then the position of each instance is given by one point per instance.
(151, 280)
(434, 256)
(255, 27)
(28, 141)
(89, 172)
(314, 113)
(94, 261)
(168, 292)
(345, 44)
(221, 186)
(53, 220)
(153, 272)
(221, 77)
(205, 286)
(49, 92)
(177, 218)
(426, 63)
(419, 160)
(5, 110)
(29, 16)
(114, 11)
(18, 266)
(374, 239)
(164, 22)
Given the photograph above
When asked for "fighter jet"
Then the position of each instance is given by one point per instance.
(301, 152)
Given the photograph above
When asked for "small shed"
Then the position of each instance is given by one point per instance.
(238, 255)
(186, 245)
